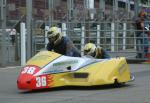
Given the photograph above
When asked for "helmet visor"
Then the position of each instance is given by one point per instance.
(86, 51)
(53, 38)
(50, 34)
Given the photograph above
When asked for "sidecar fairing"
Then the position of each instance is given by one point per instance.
(48, 69)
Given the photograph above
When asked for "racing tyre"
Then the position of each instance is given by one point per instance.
(117, 84)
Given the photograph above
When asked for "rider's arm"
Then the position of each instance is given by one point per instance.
(71, 50)
(49, 47)
(105, 54)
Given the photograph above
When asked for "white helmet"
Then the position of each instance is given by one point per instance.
(89, 48)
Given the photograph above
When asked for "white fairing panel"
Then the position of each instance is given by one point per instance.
(65, 64)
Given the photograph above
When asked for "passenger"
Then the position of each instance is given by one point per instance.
(96, 52)
(61, 44)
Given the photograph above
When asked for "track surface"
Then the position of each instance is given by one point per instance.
(137, 91)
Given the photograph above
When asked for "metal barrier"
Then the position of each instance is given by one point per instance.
(107, 23)
(9, 48)
(118, 38)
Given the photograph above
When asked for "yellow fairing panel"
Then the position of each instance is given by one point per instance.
(116, 68)
(43, 58)
(99, 73)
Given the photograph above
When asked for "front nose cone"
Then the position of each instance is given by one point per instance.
(24, 82)
(26, 78)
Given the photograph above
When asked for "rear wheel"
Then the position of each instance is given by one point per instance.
(117, 84)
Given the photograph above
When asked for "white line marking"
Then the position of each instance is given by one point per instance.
(12, 67)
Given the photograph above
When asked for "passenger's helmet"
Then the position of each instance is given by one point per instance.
(54, 34)
(89, 49)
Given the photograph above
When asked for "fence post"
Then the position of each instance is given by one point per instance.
(29, 27)
(98, 35)
(23, 44)
(45, 36)
(135, 47)
(112, 36)
(82, 39)
(124, 35)
(3, 57)
(64, 29)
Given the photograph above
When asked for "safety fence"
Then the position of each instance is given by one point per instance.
(107, 23)
(118, 38)
(9, 49)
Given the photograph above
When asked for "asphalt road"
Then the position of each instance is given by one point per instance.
(137, 91)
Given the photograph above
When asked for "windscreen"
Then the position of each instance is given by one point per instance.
(42, 58)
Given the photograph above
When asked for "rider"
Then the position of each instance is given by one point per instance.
(61, 44)
(96, 52)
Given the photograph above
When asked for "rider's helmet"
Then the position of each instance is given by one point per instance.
(89, 49)
(54, 34)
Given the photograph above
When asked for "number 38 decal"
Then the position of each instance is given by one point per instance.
(41, 81)
(28, 70)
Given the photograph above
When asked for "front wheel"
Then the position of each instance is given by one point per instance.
(132, 77)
